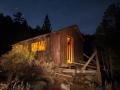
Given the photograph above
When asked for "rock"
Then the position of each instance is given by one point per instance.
(98, 88)
(65, 86)
(50, 80)
(37, 85)
(90, 78)
(2, 86)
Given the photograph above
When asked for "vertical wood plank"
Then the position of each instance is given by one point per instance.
(98, 69)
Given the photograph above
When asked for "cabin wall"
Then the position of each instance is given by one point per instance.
(52, 51)
(77, 45)
(45, 54)
(63, 48)
(56, 46)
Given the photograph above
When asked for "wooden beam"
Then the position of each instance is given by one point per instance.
(98, 69)
(79, 71)
(88, 57)
(83, 68)
(63, 75)
(84, 64)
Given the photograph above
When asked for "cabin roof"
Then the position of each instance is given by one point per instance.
(41, 36)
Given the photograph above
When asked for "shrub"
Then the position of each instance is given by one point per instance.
(16, 64)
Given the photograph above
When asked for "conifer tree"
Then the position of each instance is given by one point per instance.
(108, 39)
(46, 26)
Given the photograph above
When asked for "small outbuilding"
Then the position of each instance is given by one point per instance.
(63, 46)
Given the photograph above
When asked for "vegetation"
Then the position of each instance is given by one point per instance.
(16, 64)
(20, 68)
(19, 65)
(108, 42)
(17, 29)
(47, 26)
(106, 39)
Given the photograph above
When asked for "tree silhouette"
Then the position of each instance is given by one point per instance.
(108, 32)
(88, 44)
(36, 31)
(18, 18)
(17, 29)
(6, 27)
(21, 30)
(46, 26)
(108, 38)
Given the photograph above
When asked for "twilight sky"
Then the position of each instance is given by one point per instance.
(87, 14)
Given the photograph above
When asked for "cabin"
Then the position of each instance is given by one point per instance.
(63, 46)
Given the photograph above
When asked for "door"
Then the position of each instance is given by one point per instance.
(69, 49)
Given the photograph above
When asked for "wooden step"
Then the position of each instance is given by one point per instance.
(78, 71)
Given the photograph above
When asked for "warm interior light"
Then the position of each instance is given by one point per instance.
(41, 45)
(34, 46)
(38, 46)
(69, 50)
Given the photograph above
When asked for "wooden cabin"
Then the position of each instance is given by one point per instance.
(63, 46)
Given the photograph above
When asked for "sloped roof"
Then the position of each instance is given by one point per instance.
(41, 36)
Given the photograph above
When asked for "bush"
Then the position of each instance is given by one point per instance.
(16, 64)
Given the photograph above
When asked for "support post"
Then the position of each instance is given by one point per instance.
(98, 69)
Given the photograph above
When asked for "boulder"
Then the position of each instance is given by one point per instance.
(65, 86)
(37, 85)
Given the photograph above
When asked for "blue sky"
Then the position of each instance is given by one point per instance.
(87, 14)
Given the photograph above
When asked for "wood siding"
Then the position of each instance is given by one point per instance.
(56, 45)
(63, 48)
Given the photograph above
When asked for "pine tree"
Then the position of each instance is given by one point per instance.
(18, 18)
(107, 38)
(46, 26)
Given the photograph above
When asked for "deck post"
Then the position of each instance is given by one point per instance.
(98, 69)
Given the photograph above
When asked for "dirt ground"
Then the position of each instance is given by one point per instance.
(77, 85)
(56, 86)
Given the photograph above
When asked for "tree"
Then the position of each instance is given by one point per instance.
(37, 31)
(46, 26)
(109, 29)
(6, 30)
(21, 28)
(18, 18)
(108, 37)
(88, 44)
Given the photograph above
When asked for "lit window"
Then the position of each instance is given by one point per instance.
(38, 46)
(34, 46)
(41, 45)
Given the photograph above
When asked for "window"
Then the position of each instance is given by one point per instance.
(41, 45)
(34, 46)
(38, 46)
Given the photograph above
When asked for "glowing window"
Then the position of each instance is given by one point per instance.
(41, 45)
(38, 46)
(34, 46)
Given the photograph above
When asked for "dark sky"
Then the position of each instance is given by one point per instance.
(87, 14)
